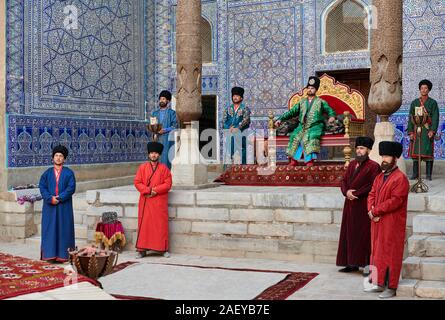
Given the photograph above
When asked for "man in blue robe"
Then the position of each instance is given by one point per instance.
(57, 186)
(167, 117)
(236, 119)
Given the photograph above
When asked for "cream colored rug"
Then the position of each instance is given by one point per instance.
(175, 282)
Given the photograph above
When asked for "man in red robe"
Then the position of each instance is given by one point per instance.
(387, 206)
(153, 180)
(354, 247)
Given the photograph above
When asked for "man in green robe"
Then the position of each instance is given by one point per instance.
(305, 139)
(426, 138)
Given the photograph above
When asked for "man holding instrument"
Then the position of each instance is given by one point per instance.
(153, 181)
(429, 108)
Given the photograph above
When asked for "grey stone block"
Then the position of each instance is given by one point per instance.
(429, 224)
(278, 200)
(324, 201)
(223, 199)
(303, 216)
(219, 228)
(254, 215)
(411, 268)
(317, 232)
(433, 269)
(431, 289)
(200, 213)
(273, 230)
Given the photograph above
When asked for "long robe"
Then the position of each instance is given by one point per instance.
(153, 212)
(354, 247)
(167, 117)
(426, 144)
(57, 220)
(311, 125)
(234, 142)
(390, 201)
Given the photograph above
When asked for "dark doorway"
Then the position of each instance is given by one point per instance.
(208, 121)
(359, 80)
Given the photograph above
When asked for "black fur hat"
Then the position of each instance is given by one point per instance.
(155, 147)
(364, 142)
(390, 148)
(60, 149)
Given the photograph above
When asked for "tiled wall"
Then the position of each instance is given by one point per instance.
(66, 81)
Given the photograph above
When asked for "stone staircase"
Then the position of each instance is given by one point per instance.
(423, 270)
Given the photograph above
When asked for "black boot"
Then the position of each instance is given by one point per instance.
(348, 269)
(415, 170)
(429, 170)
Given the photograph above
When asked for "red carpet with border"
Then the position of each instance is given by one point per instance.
(19, 276)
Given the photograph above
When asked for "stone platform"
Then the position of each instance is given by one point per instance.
(298, 224)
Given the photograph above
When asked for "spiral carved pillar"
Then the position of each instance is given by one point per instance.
(385, 95)
(189, 169)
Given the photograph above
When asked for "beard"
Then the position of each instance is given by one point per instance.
(162, 104)
(386, 166)
(154, 159)
(361, 158)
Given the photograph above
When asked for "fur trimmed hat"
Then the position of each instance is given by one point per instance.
(155, 147)
(166, 94)
(390, 148)
(427, 83)
(364, 142)
(313, 82)
(238, 91)
(60, 149)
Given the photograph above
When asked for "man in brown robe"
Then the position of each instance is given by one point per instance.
(354, 247)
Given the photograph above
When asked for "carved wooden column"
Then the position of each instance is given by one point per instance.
(188, 168)
(385, 96)
(189, 60)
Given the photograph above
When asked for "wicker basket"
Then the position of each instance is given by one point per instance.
(96, 265)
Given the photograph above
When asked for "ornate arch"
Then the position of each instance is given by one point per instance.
(329, 9)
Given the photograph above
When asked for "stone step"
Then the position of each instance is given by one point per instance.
(424, 268)
(80, 231)
(429, 224)
(84, 186)
(80, 202)
(421, 289)
(426, 246)
(35, 241)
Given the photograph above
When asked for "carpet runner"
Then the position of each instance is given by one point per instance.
(320, 175)
(19, 275)
(147, 281)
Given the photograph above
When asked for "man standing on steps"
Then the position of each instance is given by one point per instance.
(236, 120)
(57, 186)
(153, 181)
(387, 209)
(354, 247)
(167, 117)
(428, 131)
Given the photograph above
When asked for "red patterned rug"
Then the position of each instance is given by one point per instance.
(293, 282)
(321, 175)
(20, 276)
(122, 266)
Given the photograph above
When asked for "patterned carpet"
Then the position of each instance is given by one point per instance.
(20, 276)
(320, 175)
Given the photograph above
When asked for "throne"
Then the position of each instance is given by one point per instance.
(345, 101)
